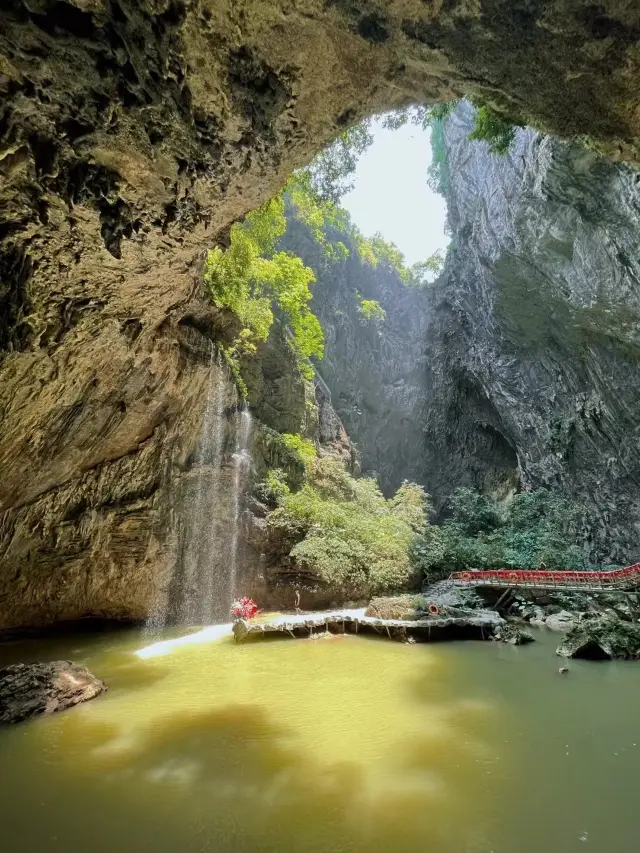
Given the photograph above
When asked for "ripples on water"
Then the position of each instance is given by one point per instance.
(336, 746)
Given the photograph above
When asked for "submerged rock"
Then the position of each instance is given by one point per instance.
(32, 689)
(603, 638)
(509, 633)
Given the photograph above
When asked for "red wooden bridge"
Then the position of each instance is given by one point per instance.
(626, 580)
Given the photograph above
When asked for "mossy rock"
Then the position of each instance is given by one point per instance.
(398, 607)
(603, 638)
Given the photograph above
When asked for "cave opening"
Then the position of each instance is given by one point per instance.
(281, 384)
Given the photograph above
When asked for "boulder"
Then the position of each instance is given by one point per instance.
(563, 621)
(602, 638)
(32, 689)
(508, 633)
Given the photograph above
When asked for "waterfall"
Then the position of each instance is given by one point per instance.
(241, 467)
(198, 583)
(208, 509)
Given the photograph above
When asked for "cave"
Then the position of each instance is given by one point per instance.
(221, 419)
(131, 136)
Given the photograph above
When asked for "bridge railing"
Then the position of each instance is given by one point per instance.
(614, 579)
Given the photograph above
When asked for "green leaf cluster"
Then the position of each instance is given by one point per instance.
(371, 309)
(328, 223)
(492, 127)
(252, 279)
(288, 453)
(347, 533)
(274, 488)
(330, 174)
(303, 448)
(534, 527)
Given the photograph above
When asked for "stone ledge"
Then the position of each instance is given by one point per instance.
(353, 621)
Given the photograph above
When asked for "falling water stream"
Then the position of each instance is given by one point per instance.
(199, 588)
(241, 467)
(208, 514)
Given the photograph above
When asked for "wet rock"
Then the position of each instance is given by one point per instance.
(562, 621)
(31, 689)
(509, 633)
(449, 625)
(602, 638)
(444, 594)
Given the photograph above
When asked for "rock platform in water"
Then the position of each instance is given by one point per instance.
(602, 638)
(32, 689)
(472, 625)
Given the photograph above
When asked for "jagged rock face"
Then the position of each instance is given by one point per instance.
(31, 690)
(533, 342)
(374, 369)
(131, 134)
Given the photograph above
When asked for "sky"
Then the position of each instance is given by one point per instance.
(391, 193)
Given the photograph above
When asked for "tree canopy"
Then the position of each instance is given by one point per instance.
(534, 527)
(252, 278)
(345, 532)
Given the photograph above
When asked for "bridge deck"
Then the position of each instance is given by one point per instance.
(626, 580)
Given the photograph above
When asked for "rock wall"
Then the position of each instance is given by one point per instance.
(131, 135)
(533, 340)
(374, 369)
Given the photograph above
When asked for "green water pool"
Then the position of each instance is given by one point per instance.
(326, 746)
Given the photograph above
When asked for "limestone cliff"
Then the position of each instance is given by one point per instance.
(131, 135)
(533, 343)
(374, 369)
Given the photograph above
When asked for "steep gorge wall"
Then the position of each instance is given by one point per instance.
(131, 135)
(374, 368)
(533, 342)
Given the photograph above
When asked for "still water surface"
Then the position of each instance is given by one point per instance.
(336, 746)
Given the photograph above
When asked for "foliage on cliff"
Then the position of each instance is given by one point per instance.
(534, 527)
(347, 533)
(333, 230)
(331, 172)
(370, 309)
(253, 279)
(438, 171)
(492, 127)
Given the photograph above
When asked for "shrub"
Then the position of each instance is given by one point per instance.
(370, 309)
(493, 128)
(301, 447)
(534, 527)
(349, 535)
(273, 488)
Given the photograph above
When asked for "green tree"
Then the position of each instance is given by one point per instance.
(332, 170)
(252, 279)
(425, 272)
(533, 527)
(348, 534)
(371, 310)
